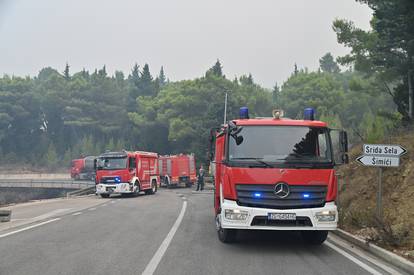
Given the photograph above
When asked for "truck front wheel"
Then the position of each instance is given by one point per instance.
(105, 195)
(225, 235)
(153, 189)
(314, 237)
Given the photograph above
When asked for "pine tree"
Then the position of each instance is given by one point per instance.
(162, 79)
(51, 156)
(275, 95)
(134, 77)
(66, 74)
(327, 64)
(102, 72)
(216, 70)
(146, 83)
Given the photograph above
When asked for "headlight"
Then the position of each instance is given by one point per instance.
(326, 216)
(235, 214)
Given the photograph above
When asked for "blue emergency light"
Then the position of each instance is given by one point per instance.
(257, 195)
(244, 113)
(117, 179)
(309, 114)
(306, 196)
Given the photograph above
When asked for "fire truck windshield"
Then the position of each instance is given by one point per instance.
(112, 163)
(281, 144)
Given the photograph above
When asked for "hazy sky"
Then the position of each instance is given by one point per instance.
(262, 37)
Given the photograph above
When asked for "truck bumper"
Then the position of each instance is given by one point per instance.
(119, 188)
(256, 218)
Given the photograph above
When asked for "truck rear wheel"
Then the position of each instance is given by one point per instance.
(314, 237)
(225, 235)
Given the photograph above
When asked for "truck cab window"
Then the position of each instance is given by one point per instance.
(132, 164)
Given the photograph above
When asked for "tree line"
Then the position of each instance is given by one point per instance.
(53, 117)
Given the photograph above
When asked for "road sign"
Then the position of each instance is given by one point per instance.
(381, 155)
(379, 161)
(384, 150)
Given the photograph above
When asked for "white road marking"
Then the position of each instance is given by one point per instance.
(112, 201)
(352, 258)
(91, 209)
(363, 255)
(29, 227)
(152, 265)
(51, 214)
(77, 213)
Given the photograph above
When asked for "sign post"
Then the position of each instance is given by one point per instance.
(381, 155)
(379, 194)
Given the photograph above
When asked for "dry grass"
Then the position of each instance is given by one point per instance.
(357, 199)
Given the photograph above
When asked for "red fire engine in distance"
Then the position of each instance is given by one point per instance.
(83, 168)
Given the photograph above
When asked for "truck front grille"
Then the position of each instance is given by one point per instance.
(264, 221)
(315, 196)
(108, 180)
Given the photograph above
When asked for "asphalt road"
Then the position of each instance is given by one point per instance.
(171, 232)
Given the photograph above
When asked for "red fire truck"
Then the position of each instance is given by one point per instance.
(83, 168)
(276, 174)
(177, 170)
(127, 173)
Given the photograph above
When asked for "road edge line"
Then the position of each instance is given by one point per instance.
(155, 260)
(27, 228)
(352, 258)
(381, 253)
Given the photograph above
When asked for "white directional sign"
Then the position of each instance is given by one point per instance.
(379, 161)
(384, 150)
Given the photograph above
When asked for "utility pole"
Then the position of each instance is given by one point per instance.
(225, 109)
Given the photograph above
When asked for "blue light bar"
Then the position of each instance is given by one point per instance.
(244, 113)
(257, 195)
(309, 114)
(306, 196)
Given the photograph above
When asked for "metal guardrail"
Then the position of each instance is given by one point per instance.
(46, 183)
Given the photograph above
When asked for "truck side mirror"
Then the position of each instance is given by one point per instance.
(212, 139)
(339, 140)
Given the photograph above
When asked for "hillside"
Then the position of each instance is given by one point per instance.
(357, 199)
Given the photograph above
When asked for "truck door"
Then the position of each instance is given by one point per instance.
(132, 167)
(146, 172)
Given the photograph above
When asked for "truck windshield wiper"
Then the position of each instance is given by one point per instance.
(258, 160)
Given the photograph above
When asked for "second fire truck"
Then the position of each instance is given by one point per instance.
(127, 173)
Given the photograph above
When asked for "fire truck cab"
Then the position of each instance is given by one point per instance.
(127, 173)
(276, 174)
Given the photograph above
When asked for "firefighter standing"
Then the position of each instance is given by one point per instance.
(200, 179)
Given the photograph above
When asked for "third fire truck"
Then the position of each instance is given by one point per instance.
(177, 170)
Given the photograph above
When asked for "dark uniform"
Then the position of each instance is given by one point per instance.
(200, 180)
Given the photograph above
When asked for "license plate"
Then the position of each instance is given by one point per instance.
(281, 216)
